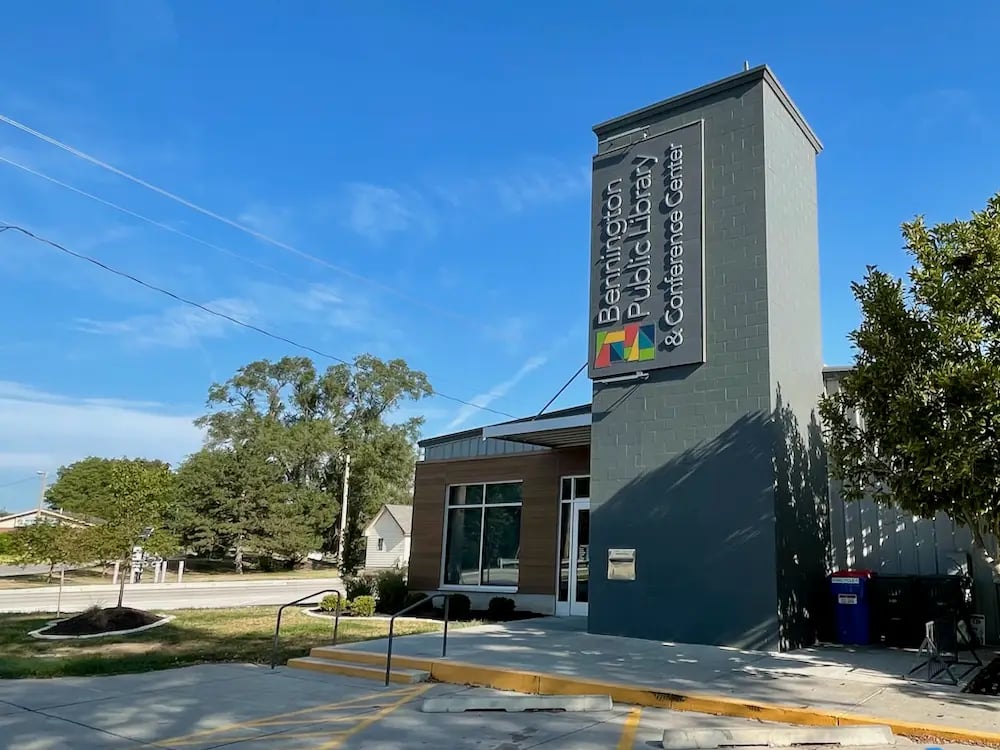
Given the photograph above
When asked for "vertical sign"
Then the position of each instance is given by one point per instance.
(647, 307)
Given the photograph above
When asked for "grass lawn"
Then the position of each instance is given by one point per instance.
(194, 636)
(88, 576)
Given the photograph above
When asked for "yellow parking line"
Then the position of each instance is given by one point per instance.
(631, 727)
(197, 737)
(377, 716)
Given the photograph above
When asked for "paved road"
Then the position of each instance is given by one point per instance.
(234, 705)
(165, 595)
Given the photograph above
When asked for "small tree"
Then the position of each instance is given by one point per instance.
(917, 421)
(139, 500)
(49, 544)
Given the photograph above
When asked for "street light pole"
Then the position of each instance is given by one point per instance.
(41, 493)
(343, 511)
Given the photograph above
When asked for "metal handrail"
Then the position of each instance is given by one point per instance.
(403, 611)
(277, 625)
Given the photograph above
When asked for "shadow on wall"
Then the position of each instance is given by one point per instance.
(802, 526)
(731, 538)
(702, 525)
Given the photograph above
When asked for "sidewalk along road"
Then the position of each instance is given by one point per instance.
(7, 571)
(166, 595)
(232, 705)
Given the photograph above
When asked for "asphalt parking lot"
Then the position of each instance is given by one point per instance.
(253, 708)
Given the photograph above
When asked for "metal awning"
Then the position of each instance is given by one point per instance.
(551, 432)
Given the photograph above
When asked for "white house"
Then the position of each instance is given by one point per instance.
(29, 517)
(388, 537)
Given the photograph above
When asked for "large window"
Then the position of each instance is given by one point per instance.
(483, 534)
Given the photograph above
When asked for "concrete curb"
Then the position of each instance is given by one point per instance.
(514, 703)
(709, 739)
(538, 683)
(43, 637)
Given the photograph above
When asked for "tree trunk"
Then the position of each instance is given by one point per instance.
(121, 587)
(239, 556)
(52, 566)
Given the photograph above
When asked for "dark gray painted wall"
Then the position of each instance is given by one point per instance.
(681, 463)
(796, 360)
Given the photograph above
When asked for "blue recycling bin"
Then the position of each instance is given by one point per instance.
(851, 605)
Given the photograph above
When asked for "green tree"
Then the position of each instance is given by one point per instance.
(270, 477)
(85, 487)
(138, 504)
(51, 544)
(917, 421)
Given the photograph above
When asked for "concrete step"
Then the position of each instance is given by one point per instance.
(348, 669)
(337, 653)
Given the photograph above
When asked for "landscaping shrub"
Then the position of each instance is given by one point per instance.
(412, 598)
(362, 585)
(459, 607)
(363, 606)
(390, 588)
(500, 608)
(329, 603)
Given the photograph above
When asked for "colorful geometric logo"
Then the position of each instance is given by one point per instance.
(633, 343)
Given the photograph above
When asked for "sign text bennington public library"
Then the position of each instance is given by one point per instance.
(647, 255)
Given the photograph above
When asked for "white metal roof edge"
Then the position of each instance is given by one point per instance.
(501, 431)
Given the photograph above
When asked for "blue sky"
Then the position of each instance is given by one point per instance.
(438, 149)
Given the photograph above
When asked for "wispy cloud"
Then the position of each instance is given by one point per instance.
(498, 391)
(268, 306)
(510, 331)
(41, 430)
(177, 327)
(518, 192)
(266, 218)
(378, 211)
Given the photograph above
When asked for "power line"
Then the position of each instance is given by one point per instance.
(154, 222)
(19, 481)
(223, 219)
(277, 337)
(560, 391)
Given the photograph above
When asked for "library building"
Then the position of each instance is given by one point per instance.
(689, 501)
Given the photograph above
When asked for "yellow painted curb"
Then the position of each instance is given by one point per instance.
(353, 670)
(538, 683)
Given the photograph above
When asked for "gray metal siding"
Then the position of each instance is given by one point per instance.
(475, 448)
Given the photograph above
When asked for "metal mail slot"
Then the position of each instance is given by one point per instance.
(621, 564)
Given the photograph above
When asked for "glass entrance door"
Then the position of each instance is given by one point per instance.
(573, 584)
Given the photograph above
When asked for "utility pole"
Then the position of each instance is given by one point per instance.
(41, 494)
(343, 511)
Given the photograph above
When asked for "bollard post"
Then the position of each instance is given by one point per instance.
(180, 571)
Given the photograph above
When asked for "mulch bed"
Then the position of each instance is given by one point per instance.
(108, 620)
(987, 682)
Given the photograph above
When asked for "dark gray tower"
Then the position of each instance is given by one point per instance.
(706, 358)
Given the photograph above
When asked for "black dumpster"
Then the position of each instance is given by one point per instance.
(895, 607)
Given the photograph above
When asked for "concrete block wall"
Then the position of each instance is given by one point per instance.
(796, 362)
(681, 463)
(678, 467)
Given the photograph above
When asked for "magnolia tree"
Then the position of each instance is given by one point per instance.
(917, 421)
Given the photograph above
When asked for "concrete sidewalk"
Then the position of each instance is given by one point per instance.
(815, 686)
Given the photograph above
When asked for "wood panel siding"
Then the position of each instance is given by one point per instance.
(540, 474)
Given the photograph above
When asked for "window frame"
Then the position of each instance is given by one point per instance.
(380, 544)
(483, 506)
